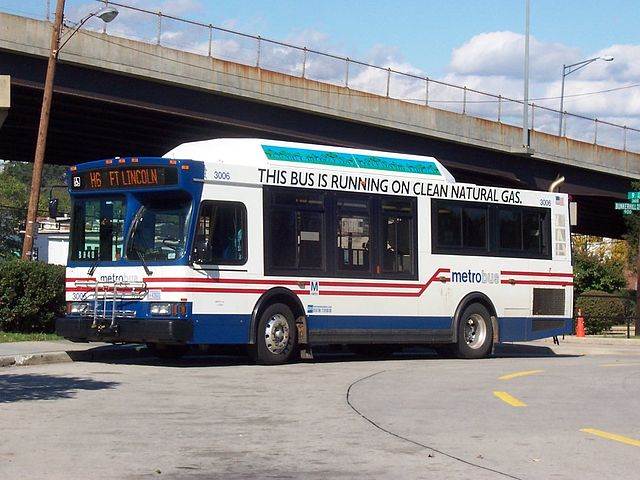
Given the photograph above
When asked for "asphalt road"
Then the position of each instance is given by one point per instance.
(410, 417)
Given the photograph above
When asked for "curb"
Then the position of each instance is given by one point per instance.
(96, 354)
(35, 359)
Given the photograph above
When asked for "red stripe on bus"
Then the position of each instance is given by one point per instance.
(437, 276)
(242, 281)
(222, 290)
(219, 280)
(536, 282)
(537, 274)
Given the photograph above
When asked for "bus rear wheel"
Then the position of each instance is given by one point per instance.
(475, 332)
(276, 336)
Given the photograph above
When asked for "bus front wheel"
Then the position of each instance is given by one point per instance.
(276, 336)
(475, 332)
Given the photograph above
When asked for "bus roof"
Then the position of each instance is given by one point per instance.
(261, 152)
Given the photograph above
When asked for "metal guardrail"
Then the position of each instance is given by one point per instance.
(624, 326)
(622, 323)
(217, 42)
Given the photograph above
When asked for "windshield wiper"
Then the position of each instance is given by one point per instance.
(93, 266)
(134, 230)
(144, 263)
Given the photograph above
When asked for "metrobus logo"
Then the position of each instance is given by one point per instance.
(475, 277)
(119, 278)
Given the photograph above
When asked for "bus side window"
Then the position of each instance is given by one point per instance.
(398, 244)
(294, 230)
(221, 234)
(352, 229)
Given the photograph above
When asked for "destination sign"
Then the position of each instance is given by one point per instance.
(124, 177)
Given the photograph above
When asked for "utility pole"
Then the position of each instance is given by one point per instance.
(41, 144)
(106, 14)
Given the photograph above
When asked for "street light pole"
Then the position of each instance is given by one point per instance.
(569, 69)
(526, 141)
(106, 14)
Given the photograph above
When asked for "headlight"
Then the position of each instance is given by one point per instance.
(160, 308)
(77, 308)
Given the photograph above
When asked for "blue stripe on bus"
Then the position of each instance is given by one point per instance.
(224, 329)
(371, 322)
(234, 329)
(515, 329)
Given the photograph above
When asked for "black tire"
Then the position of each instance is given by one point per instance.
(276, 336)
(475, 333)
(167, 352)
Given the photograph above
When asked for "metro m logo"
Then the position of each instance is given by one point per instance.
(314, 287)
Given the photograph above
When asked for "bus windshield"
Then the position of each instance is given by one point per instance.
(98, 226)
(159, 231)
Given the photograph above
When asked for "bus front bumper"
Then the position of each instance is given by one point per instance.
(129, 330)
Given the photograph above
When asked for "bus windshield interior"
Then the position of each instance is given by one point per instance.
(98, 229)
(159, 231)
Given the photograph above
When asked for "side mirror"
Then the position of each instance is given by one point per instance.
(53, 208)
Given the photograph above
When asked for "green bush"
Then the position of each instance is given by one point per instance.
(600, 310)
(31, 296)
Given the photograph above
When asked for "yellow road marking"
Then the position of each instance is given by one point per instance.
(519, 374)
(611, 365)
(505, 397)
(612, 436)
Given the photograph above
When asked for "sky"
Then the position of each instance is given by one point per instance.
(473, 43)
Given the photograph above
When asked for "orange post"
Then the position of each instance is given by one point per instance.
(580, 324)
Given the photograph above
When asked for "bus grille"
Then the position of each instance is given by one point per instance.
(548, 301)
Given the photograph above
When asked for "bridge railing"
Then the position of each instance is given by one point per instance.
(217, 42)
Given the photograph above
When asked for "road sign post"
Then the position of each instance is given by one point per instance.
(637, 312)
(633, 205)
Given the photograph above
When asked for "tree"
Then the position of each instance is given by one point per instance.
(598, 265)
(13, 196)
(15, 179)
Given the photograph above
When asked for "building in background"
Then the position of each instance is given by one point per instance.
(52, 241)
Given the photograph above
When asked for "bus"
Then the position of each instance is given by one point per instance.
(281, 247)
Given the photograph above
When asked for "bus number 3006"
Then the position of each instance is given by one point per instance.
(221, 175)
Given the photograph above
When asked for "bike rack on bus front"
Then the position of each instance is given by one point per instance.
(111, 292)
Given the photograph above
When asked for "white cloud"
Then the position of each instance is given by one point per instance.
(494, 62)
(502, 54)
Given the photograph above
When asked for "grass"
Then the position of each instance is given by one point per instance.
(6, 337)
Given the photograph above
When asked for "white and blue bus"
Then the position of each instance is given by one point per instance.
(284, 246)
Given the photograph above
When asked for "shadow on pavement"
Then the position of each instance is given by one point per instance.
(15, 388)
(519, 350)
(225, 357)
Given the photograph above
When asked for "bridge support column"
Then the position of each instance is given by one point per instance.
(5, 97)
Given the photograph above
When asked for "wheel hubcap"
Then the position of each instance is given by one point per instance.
(475, 331)
(276, 334)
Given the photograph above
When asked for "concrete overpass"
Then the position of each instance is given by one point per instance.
(116, 96)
